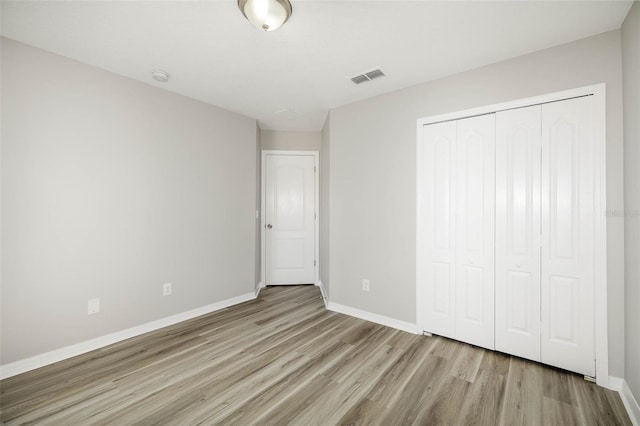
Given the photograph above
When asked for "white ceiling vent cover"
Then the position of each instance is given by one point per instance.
(367, 76)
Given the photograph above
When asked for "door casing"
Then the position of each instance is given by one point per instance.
(263, 174)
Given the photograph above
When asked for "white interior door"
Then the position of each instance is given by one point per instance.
(567, 235)
(475, 233)
(439, 150)
(518, 232)
(290, 219)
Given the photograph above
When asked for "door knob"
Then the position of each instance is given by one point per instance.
(269, 226)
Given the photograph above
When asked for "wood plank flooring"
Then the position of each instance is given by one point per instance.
(284, 359)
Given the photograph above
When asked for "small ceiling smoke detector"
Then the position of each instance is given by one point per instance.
(367, 76)
(160, 75)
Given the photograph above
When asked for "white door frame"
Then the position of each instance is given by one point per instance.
(598, 92)
(316, 165)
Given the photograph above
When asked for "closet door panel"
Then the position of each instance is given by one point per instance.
(518, 232)
(568, 233)
(475, 230)
(438, 223)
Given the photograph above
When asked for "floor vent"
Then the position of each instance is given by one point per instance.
(367, 76)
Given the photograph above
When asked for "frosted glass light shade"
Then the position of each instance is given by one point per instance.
(267, 15)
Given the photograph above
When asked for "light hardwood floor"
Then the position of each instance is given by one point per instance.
(284, 359)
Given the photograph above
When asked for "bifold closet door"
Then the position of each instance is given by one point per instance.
(438, 223)
(518, 232)
(568, 193)
(507, 225)
(475, 235)
(458, 223)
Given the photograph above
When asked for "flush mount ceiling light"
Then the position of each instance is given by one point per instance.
(267, 15)
(160, 75)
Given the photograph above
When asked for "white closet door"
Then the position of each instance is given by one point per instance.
(518, 232)
(567, 235)
(439, 228)
(475, 230)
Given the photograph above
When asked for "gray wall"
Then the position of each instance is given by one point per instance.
(373, 172)
(291, 141)
(325, 202)
(110, 188)
(631, 84)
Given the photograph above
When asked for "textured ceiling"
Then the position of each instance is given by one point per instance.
(288, 79)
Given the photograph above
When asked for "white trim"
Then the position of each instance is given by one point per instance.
(41, 360)
(378, 319)
(601, 318)
(316, 170)
(259, 288)
(600, 262)
(420, 252)
(325, 299)
(596, 89)
(615, 383)
(316, 164)
(630, 403)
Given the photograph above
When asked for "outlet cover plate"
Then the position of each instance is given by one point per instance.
(166, 289)
(93, 306)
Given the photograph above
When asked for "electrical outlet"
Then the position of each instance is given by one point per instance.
(93, 306)
(365, 285)
(166, 289)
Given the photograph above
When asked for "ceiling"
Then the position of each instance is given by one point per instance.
(288, 79)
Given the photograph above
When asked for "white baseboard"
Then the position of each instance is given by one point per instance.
(630, 403)
(37, 361)
(378, 319)
(324, 294)
(615, 383)
(259, 288)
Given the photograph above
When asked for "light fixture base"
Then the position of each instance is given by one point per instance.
(267, 15)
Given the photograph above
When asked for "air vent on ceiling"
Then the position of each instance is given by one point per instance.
(367, 76)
